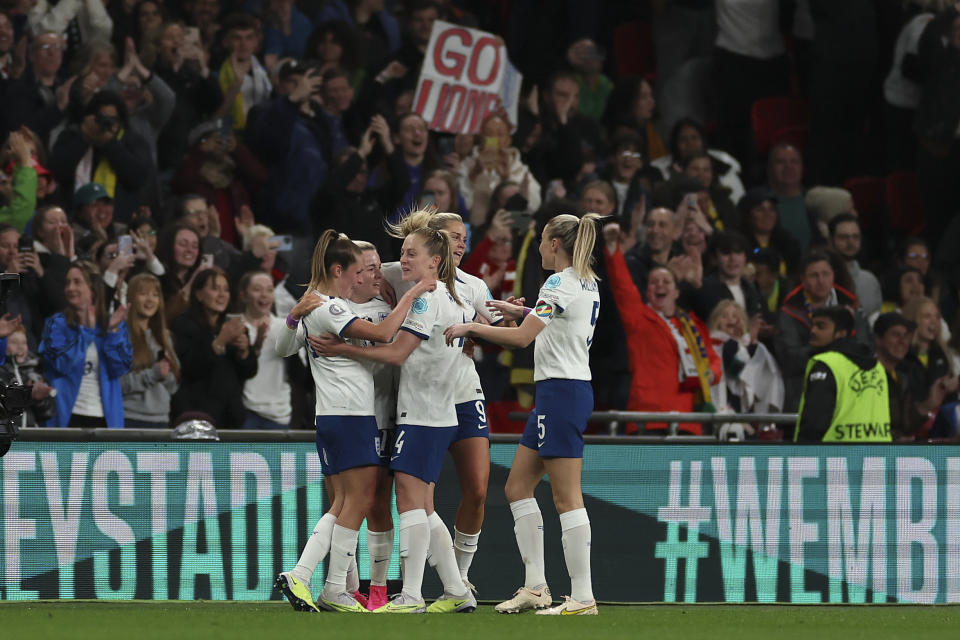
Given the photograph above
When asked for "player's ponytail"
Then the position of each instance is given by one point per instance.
(332, 248)
(577, 237)
(437, 243)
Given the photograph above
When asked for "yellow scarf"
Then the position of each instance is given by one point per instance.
(228, 78)
(105, 175)
(698, 349)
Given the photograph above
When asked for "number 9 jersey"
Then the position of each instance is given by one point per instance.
(568, 305)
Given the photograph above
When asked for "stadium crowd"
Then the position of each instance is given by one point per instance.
(757, 160)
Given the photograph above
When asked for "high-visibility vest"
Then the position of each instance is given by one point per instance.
(862, 409)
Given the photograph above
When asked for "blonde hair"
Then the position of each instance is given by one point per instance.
(253, 232)
(363, 245)
(437, 243)
(718, 311)
(911, 311)
(577, 237)
(332, 248)
(143, 356)
(425, 217)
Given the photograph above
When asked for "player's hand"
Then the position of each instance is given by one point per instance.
(388, 294)
(326, 345)
(456, 331)
(509, 310)
(307, 303)
(423, 286)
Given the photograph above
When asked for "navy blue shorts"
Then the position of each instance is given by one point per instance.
(472, 420)
(385, 442)
(347, 442)
(418, 451)
(559, 418)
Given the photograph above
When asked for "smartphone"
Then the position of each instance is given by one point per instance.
(428, 198)
(25, 244)
(191, 42)
(516, 202)
(206, 261)
(445, 145)
(286, 243)
(234, 316)
(692, 200)
(124, 245)
(491, 142)
(520, 220)
(226, 127)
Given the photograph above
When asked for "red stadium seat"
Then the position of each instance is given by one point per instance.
(633, 48)
(796, 135)
(869, 198)
(498, 417)
(904, 202)
(773, 116)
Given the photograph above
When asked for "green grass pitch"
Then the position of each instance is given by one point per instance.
(214, 620)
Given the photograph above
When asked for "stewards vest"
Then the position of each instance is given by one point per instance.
(862, 410)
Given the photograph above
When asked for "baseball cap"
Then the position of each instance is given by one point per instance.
(202, 130)
(40, 169)
(889, 320)
(90, 193)
(754, 197)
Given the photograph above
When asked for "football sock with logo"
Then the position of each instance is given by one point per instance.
(443, 558)
(380, 545)
(342, 549)
(576, 551)
(316, 549)
(528, 527)
(465, 547)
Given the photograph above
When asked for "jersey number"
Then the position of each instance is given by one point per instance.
(593, 319)
(541, 428)
(482, 411)
(398, 445)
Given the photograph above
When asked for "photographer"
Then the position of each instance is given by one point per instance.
(100, 148)
(19, 257)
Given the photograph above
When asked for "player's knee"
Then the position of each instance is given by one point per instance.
(473, 497)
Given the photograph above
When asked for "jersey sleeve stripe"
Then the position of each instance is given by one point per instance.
(416, 333)
(346, 326)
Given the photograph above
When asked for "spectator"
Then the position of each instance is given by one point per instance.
(688, 138)
(845, 395)
(54, 245)
(845, 238)
(100, 148)
(408, 160)
(215, 353)
(785, 179)
(286, 32)
(900, 288)
(179, 251)
(792, 343)
(824, 204)
(421, 14)
(628, 175)
(630, 110)
(183, 66)
(586, 58)
(155, 374)
(492, 160)
(345, 118)
(940, 363)
(379, 31)
(672, 360)
(266, 396)
(915, 253)
(40, 97)
(334, 45)
(22, 301)
(115, 267)
(85, 352)
(19, 190)
(772, 286)
(661, 231)
(912, 405)
(22, 366)
(751, 377)
(204, 15)
(243, 80)
(94, 64)
(729, 282)
(761, 226)
(94, 224)
(86, 19)
(695, 175)
(8, 64)
(492, 258)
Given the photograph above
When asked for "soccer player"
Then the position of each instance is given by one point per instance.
(471, 448)
(562, 324)
(426, 416)
(346, 424)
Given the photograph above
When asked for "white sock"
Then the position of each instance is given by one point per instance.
(353, 574)
(465, 547)
(414, 541)
(380, 546)
(443, 558)
(316, 549)
(343, 548)
(576, 551)
(528, 527)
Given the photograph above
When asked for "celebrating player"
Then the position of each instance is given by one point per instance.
(471, 447)
(562, 324)
(426, 416)
(346, 423)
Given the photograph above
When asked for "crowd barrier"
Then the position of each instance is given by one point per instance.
(123, 514)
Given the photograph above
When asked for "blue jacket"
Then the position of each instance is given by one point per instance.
(63, 351)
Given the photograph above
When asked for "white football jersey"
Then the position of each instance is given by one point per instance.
(428, 376)
(385, 376)
(344, 386)
(568, 306)
(473, 291)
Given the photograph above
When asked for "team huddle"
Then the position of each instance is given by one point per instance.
(395, 391)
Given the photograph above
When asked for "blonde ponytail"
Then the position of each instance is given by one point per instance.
(437, 243)
(577, 237)
(332, 248)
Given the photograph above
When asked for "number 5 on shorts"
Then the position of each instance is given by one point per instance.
(541, 430)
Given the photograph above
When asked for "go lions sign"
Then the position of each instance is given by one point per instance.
(465, 76)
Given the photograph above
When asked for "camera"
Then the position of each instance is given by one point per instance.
(106, 123)
(14, 398)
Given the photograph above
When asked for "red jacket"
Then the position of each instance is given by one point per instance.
(654, 360)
